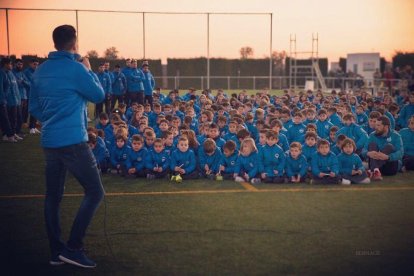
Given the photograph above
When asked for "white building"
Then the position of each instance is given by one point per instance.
(363, 64)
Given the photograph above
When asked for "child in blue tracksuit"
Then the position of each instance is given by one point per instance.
(137, 160)
(183, 160)
(354, 132)
(361, 117)
(350, 164)
(406, 112)
(209, 156)
(325, 167)
(100, 152)
(158, 161)
(296, 130)
(296, 165)
(407, 136)
(323, 125)
(309, 148)
(119, 156)
(228, 160)
(272, 160)
(247, 163)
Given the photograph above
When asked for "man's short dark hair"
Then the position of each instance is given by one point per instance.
(5, 61)
(64, 37)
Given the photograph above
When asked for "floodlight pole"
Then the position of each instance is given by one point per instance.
(7, 31)
(270, 53)
(208, 50)
(143, 33)
(77, 29)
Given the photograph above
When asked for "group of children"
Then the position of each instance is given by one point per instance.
(259, 138)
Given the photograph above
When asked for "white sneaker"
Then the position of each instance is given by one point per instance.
(32, 131)
(239, 179)
(346, 181)
(17, 137)
(11, 139)
(366, 181)
(37, 131)
(256, 181)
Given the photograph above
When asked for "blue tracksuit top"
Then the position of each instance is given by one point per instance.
(119, 156)
(137, 159)
(392, 119)
(309, 152)
(149, 83)
(356, 133)
(29, 72)
(230, 162)
(367, 129)
(361, 119)
(322, 128)
(296, 133)
(119, 83)
(248, 164)
(100, 151)
(405, 114)
(307, 121)
(59, 92)
(272, 158)
(349, 162)
(9, 91)
(393, 138)
(134, 81)
(213, 161)
(297, 166)
(105, 81)
(283, 142)
(219, 142)
(22, 82)
(111, 75)
(161, 159)
(324, 163)
(251, 127)
(407, 136)
(335, 120)
(186, 160)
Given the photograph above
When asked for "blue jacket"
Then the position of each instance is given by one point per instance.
(213, 161)
(361, 119)
(283, 142)
(100, 151)
(149, 83)
(323, 128)
(356, 133)
(296, 133)
(22, 82)
(335, 120)
(161, 159)
(105, 81)
(349, 162)
(229, 163)
(297, 166)
(59, 92)
(29, 72)
(119, 84)
(251, 127)
(324, 163)
(309, 152)
(248, 164)
(134, 80)
(119, 156)
(405, 114)
(186, 160)
(271, 158)
(393, 138)
(407, 136)
(137, 159)
(9, 91)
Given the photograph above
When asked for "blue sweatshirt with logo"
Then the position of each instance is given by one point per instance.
(324, 164)
(185, 160)
(248, 164)
(137, 159)
(119, 84)
(213, 161)
(60, 90)
(393, 138)
(272, 158)
(161, 159)
(134, 80)
(294, 167)
(323, 128)
(119, 156)
(356, 133)
(149, 83)
(229, 163)
(349, 162)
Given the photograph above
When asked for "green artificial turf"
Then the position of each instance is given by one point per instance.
(281, 229)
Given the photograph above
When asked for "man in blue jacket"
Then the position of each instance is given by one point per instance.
(60, 90)
(5, 84)
(135, 85)
(106, 84)
(149, 83)
(119, 86)
(33, 64)
(384, 150)
(24, 85)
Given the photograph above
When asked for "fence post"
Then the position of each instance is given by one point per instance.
(202, 83)
(175, 82)
(228, 82)
(254, 82)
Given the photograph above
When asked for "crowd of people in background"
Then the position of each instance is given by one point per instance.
(342, 137)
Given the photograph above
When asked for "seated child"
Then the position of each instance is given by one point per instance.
(137, 157)
(209, 156)
(272, 160)
(158, 161)
(183, 160)
(247, 163)
(324, 165)
(296, 164)
(228, 160)
(119, 155)
(350, 164)
(100, 152)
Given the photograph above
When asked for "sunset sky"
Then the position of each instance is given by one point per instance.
(350, 26)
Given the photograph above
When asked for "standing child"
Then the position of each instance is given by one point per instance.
(324, 165)
(209, 156)
(246, 166)
(158, 161)
(296, 164)
(119, 155)
(272, 160)
(137, 157)
(183, 161)
(228, 160)
(350, 164)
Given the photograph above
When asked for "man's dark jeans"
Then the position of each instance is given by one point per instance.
(79, 161)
